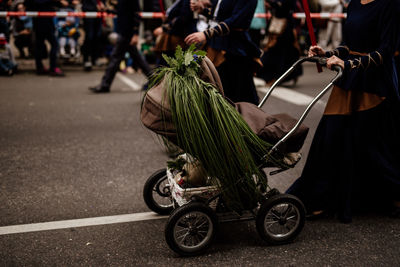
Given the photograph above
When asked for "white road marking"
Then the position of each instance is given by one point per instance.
(55, 225)
(291, 96)
(287, 95)
(133, 85)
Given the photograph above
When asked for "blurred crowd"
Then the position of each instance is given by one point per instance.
(87, 41)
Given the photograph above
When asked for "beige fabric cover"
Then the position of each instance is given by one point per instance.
(156, 115)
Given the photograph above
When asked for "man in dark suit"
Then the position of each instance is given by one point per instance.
(128, 21)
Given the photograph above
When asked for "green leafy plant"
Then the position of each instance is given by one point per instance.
(210, 129)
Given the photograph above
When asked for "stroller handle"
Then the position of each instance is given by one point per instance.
(322, 62)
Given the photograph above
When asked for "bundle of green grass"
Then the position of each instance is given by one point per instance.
(210, 129)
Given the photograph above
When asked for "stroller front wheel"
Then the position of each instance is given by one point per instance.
(280, 219)
(156, 193)
(191, 229)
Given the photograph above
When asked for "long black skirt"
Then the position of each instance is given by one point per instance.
(353, 163)
(237, 77)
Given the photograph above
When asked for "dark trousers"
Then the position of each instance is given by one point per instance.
(45, 30)
(21, 41)
(92, 28)
(236, 75)
(121, 47)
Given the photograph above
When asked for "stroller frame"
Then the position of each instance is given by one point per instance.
(196, 212)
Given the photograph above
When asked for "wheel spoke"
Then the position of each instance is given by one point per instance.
(184, 236)
(271, 224)
(203, 223)
(202, 233)
(181, 230)
(288, 210)
(273, 212)
(198, 240)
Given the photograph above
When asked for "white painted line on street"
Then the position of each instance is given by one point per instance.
(133, 85)
(291, 96)
(55, 225)
(285, 94)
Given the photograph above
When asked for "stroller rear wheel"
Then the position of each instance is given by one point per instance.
(191, 229)
(280, 219)
(156, 193)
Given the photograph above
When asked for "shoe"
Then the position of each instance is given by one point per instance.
(99, 89)
(10, 72)
(42, 71)
(87, 66)
(57, 72)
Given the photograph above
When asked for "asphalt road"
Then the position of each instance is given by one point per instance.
(67, 154)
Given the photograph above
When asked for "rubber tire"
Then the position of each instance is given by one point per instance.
(270, 203)
(182, 211)
(148, 193)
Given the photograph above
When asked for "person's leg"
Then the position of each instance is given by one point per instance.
(336, 36)
(88, 28)
(323, 37)
(62, 42)
(51, 37)
(94, 45)
(117, 55)
(139, 60)
(72, 46)
(19, 43)
(39, 50)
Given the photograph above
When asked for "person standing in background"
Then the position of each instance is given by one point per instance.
(282, 48)
(333, 31)
(44, 29)
(258, 25)
(128, 21)
(92, 28)
(178, 24)
(22, 32)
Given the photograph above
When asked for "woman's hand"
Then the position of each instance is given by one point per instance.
(196, 5)
(316, 50)
(134, 40)
(195, 38)
(157, 31)
(334, 60)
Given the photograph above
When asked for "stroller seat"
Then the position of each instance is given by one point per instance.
(272, 128)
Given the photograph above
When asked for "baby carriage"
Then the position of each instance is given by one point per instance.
(195, 212)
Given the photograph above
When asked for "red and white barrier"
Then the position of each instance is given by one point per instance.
(144, 15)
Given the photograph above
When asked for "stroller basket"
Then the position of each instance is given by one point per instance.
(183, 196)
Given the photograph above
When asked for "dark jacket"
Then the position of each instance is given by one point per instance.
(128, 19)
(45, 24)
(90, 5)
(42, 5)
